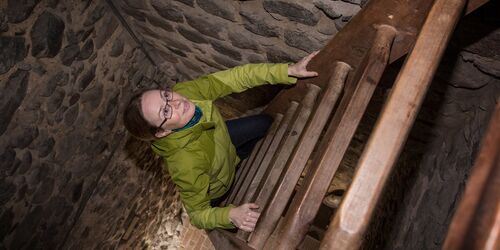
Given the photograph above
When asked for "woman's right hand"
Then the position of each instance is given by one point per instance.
(244, 217)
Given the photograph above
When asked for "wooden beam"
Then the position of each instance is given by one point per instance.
(392, 128)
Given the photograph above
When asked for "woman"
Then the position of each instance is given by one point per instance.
(198, 146)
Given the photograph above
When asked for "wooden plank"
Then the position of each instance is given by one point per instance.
(261, 147)
(391, 130)
(306, 203)
(291, 140)
(273, 210)
(222, 239)
(282, 155)
(260, 165)
(476, 223)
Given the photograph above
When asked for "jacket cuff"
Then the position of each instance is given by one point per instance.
(283, 69)
(228, 224)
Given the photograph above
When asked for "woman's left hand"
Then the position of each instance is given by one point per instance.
(299, 69)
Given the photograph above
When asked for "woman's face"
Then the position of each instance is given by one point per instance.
(153, 103)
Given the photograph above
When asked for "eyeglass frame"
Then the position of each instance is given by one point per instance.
(167, 99)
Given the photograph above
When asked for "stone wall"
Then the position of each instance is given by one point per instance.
(66, 179)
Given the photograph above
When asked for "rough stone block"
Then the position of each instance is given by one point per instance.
(209, 28)
(209, 62)
(336, 9)
(55, 100)
(104, 30)
(70, 115)
(168, 10)
(159, 22)
(18, 11)
(86, 78)
(54, 81)
(463, 74)
(302, 11)
(69, 53)
(242, 40)
(7, 158)
(187, 2)
(22, 136)
(116, 48)
(485, 64)
(221, 8)
(138, 15)
(12, 50)
(87, 50)
(191, 35)
(97, 13)
(71, 37)
(44, 192)
(255, 58)
(358, 2)
(12, 95)
(225, 61)
(301, 40)
(225, 50)
(135, 4)
(4, 26)
(259, 24)
(46, 35)
(276, 55)
(326, 26)
(175, 42)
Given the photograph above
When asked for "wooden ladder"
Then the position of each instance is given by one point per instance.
(321, 114)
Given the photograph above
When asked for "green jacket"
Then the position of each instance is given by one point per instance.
(201, 160)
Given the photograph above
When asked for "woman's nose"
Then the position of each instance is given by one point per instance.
(175, 103)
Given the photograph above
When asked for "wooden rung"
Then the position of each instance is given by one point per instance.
(289, 144)
(262, 145)
(307, 201)
(241, 174)
(281, 155)
(272, 211)
(261, 162)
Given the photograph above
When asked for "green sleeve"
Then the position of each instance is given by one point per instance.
(193, 183)
(237, 79)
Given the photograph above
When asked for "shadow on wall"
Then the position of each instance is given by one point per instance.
(143, 157)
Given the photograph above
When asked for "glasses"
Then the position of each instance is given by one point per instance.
(167, 96)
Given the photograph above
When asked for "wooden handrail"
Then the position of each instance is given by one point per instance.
(306, 203)
(297, 162)
(391, 130)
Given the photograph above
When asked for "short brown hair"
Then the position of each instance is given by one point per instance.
(134, 120)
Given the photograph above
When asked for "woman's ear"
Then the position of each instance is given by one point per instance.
(163, 133)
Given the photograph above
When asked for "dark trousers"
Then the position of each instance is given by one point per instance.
(246, 131)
